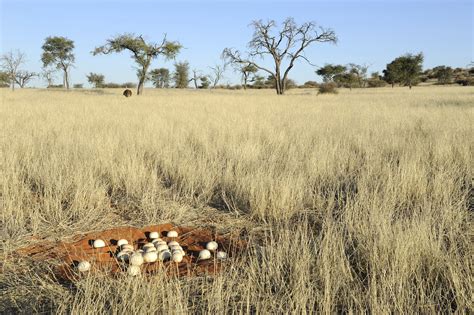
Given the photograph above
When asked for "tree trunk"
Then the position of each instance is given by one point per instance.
(66, 79)
(142, 78)
(245, 82)
(141, 82)
(13, 85)
(278, 82)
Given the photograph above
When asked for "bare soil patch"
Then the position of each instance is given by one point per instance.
(66, 255)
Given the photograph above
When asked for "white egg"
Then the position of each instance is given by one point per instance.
(177, 257)
(140, 251)
(154, 235)
(148, 245)
(122, 242)
(99, 244)
(136, 259)
(156, 240)
(172, 234)
(150, 257)
(161, 247)
(178, 252)
(212, 245)
(150, 249)
(172, 247)
(133, 270)
(159, 243)
(124, 256)
(204, 254)
(173, 243)
(164, 255)
(221, 255)
(126, 247)
(84, 266)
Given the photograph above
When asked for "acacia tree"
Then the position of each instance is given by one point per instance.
(23, 77)
(246, 70)
(405, 69)
(142, 52)
(58, 51)
(160, 77)
(331, 73)
(11, 61)
(96, 79)
(359, 73)
(181, 75)
(444, 74)
(288, 43)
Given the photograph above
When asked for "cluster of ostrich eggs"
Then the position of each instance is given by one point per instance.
(211, 247)
(156, 249)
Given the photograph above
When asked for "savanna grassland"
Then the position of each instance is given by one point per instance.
(360, 201)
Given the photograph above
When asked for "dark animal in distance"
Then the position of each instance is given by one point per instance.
(127, 93)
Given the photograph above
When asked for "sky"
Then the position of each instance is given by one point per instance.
(369, 32)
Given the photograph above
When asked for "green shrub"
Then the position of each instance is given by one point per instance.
(328, 88)
(374, 83)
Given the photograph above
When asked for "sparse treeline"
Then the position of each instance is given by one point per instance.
(282, 44)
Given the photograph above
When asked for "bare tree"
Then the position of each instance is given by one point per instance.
(289, 44)
(48, 75)
(196, 77)
(11, 61)
(217, 74)
(23, 77)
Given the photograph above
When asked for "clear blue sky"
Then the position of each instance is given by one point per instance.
(369, 32)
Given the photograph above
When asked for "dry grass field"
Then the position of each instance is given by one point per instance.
(360, 201)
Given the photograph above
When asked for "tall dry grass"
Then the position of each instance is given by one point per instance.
(354, 202)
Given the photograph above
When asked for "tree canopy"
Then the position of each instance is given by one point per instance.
(142, 52)
(160, 77)
(405, 70)
(181, 75)
(330, 72)
(96, 79)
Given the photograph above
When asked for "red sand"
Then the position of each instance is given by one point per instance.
(191, 239)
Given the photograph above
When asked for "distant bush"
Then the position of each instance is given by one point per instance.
(112, 85)
(465, 81)
(235, 87)
(310, 85)
(129, 85)
(290, 84)
(375, 83)
(78, 86)
(55, 86)
(328, 88)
